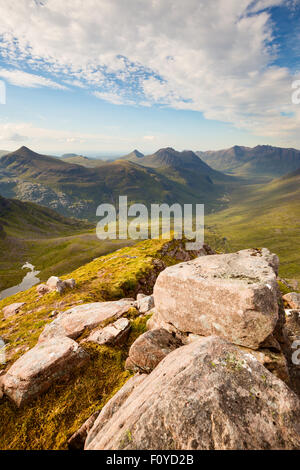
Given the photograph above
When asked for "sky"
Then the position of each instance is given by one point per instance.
(103, 77)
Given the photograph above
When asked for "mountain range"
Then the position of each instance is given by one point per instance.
(76, 190)
(262, 161)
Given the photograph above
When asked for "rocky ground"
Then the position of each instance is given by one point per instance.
(216, 368)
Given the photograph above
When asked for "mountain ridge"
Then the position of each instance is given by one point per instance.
(261, 161)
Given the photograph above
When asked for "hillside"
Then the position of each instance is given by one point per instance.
(75, 190)
(263, 215)
(52, 243)
(262, 161)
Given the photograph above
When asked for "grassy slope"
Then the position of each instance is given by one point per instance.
(259, 216)
(50, 420)
(52, 243)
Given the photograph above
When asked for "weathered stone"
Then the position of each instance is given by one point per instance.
(77, 320)
(54, 283)
(206, 395)
(145, 304)
(40, 367)
(140, 296)
(12, 309)
(1, 386)
(114, 334)
(232, 295)
(76, 442)
(69, 283)
(149, 349)
(43, 289)
(275, 362)
(293, 300)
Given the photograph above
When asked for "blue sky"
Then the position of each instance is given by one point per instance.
(102, 77)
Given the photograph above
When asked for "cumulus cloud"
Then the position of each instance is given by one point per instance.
(214, 57)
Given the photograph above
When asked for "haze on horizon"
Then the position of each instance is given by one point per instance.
(102, 78)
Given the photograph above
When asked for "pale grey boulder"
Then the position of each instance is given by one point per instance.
(233, 295)
(34, 372)
(75, 321)
(204, 396)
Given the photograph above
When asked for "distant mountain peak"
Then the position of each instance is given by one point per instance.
(137, 153)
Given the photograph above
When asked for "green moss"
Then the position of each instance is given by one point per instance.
(50, 420)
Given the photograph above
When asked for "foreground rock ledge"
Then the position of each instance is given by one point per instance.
(35, 372)
(232, 295)
(206, 395)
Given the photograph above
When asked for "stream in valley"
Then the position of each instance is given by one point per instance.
(29, 280)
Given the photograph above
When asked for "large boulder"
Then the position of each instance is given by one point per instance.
(205, 395)
(74, 322)
(232, 295)
(12, 309)
(149, 349)
(40, 367)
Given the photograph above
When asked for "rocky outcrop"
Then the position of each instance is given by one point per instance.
(113, 335)
(12, 309)
(206, 395)
(74, 322)
(233, 296)
(292, 300)
(149, 349)
(40, 367)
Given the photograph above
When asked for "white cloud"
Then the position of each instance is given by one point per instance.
(197, 55)
(113, 98)
(28, 80)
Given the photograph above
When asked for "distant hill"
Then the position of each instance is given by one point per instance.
(28, 164)
(261, 161)
(81, 160)
(76, 190)
(133, 156)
